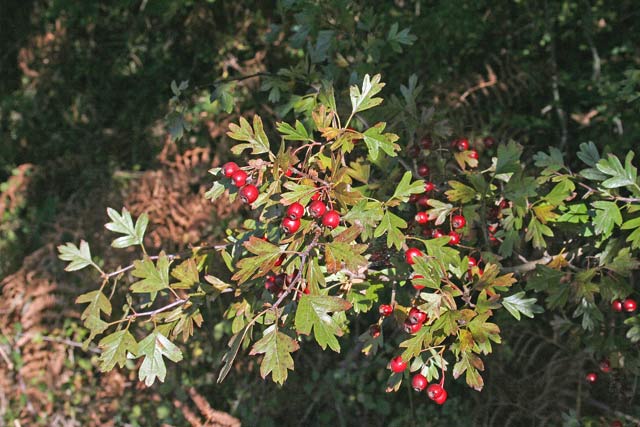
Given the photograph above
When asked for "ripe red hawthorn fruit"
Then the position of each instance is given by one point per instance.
(413, 198)
(316, 196)
(422, 217)
(416, 286)
(423, 170)
(429, 186)
(437, 234)
(458, 221)
(290, 226)
(416, 316)
(630, 305)
(239, 178)
(616, 423)
(412, 328)
(248, 193)
(462, 144)
(434, 391)
(374, 330)
(426, 143)
(331, 219)
(472, 262)
(397, 365)
(605, 366)
(474, 154)
(288, 173)
(385, 310)
(411, 254)
(317, 208)
(423, 201)
(454, 237)
(280, 260)
(229, 169)
(295, 211)
(442, 398)
(616, 305)
(591, 377)
(419, 382)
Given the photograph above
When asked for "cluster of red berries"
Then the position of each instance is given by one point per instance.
(462, 144)
(317, 209)
(248, 192)
(629, 305)
(415, 320)
(275, 283)
(436, 392)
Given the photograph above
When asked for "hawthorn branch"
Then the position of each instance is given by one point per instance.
(150, 313)
(528, 266)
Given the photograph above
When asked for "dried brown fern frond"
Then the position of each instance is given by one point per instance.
(208, 417)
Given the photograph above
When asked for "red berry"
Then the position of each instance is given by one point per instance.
(412, 328)
(429, 186)
(417, 316)
(411, 255)
(434, 391)
(316, 196)
(503, 204)
(413, 198)
(474, 154)
(616, 305)
(239, 178)
(229, 169)
(397, 365)
(295, 211)
(423, 170)
(331, 219)
(290, 226)
(437, 234)
(489, 142)
(248, 193)
(442, 398)
(454, 237)
(462, 144)
(616, 423)
(591, 377)
(288, 173)
(458, 221)
(419, 382)
(472, 261)
(415, 285)
(317, 208)
(422, 217)
(280, 260)
(423, 201)
(605, 366)
(385, 310)
(426, 142)
(630, 305)
(374, 330)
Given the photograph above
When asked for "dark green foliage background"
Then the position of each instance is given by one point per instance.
(94, 110)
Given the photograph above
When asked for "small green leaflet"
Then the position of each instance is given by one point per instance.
(338, 253)
(277, 348)
(223, 95)
(215, 191)
(396, 39)
(177, 125)
(363, 100)
(634, 237)
(376, 141)
(607, 215)
(391, 224)
(154, 277)
(234, 345)
(298, 193)
(79, 258)
(460, 192)
(114, 349)
(416, 343)
(299, 133)
(98, 302)
(153, 348)
(256, 138)
(406, 188)
(517, 303)
(266, 256)
(471, 364)
(313, 313)
(186, 273)
(634, 332)
(552, 162)
(560, 192)
(508, 158)
(536, 232)
(589, 153)
(123, 223)
(620, 176)
(439, 211)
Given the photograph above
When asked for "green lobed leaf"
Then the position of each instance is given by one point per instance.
(621, 176)
(186, 273)
(376, 141)
(364, 99)
(299, 133)
(78, 258)
(123, 224)
(313, 314)
(607, 216)
(255, 137)
(391, 225)
(153, 348)
(154, 277)
(508, 158)
(406, 188)
(114, 349)
(277, 348)
(460, 192)
(517, 303)
(536, 232)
